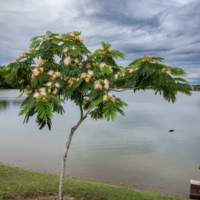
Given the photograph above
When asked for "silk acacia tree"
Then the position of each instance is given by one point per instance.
(59, 67)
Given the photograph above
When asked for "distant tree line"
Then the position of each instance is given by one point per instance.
(194, 87)
(5, 82)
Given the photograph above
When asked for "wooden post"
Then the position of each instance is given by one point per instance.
(194, 189)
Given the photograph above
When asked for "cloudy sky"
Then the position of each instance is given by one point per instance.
(166, 28)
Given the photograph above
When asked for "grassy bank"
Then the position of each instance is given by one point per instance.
(15, 182)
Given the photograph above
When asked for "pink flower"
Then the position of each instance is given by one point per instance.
(35, 72)
(73, 47)
(102, 64)
(71, 33)
(168, 71)
(43, 93)
(116, 76)
(110, 67)
(86, 98)
(83, 75)
(23, 53)
(48, 84)
(76, 60)
(57, 73)
(65, 49)
(36, 94)
(57, 85)
(67, 60)
(90, 72)
(39, 62)
(42, 90)
(55, 91)
(110, 94)
(105, 97)
(106, 84)
(97, 85)
(50, 72)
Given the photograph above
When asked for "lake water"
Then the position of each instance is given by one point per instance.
(134, 151)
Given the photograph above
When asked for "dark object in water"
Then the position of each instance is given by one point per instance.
(171, 130)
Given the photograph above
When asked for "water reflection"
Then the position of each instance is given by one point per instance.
(135, 150)
(4, 105)
(8, 99)
(16, 103)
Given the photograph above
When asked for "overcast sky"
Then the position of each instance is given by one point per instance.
(166, 28)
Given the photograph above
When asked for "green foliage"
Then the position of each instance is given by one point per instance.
(27, 108)
(44, 113)
(60, 67)
(96, 102)
(111, 109)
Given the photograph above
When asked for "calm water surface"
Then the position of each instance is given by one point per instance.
(134, 151)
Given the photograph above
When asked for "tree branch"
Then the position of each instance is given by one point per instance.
(81, 118)
(81, 110)
(121, 90)
(87, 113)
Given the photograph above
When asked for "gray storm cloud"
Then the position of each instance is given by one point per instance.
(169, 29)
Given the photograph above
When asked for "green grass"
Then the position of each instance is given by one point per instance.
(26, 184)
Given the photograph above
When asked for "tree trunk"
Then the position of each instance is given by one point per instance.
(62, 175)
